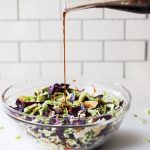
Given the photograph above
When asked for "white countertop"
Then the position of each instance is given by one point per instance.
(130, 135)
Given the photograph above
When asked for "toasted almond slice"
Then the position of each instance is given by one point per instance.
(94, 90)
(22, 98)
(98, 129)
(90, 104)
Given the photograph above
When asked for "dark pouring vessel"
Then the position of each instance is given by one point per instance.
(135, 6)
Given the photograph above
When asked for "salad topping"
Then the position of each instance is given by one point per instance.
(77, 119)
(50, 102)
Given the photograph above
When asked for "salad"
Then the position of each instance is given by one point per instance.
(73, 112)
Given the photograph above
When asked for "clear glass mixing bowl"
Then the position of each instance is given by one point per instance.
(68, 133)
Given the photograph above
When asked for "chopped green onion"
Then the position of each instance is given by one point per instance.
(147, 111)
(1, 127)
(82, 97)
(18, 137)
(146, 140)
(142, 120)
(29, 108)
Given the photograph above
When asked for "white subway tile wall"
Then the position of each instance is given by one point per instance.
(124, 50)
(52, 30)
(103, 30)
(40, 51)
(115, 14)
(104, 69)
(9, 52)
(101, 42)
(148, 50)
(19, 30)
(8, 9)
(138, 29)
(137, 70)
(56, 69)
(84, 51)
(84, 14)
(19, 71)
(39, 9)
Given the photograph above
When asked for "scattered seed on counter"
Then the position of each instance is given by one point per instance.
(1, 127)
(147, 140)
(18, 137)
(142, 120)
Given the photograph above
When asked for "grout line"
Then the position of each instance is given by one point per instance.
(111, 19)
(19, 52)
(103, 14)
(21, 62)
(146, 50)
(82, 68)
(103, 51)
(40, 69)
(79, 61)
(124, 29)
(68, 19)
(146, 16)
(95, 40)
(18, 10)
(124, 61)
(72, 40)
(42, 41)
(60, 9)
(40, 35)
(29, 20)
(124, 70)
(82, 37)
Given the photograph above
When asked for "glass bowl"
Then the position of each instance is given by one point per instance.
(68, 133)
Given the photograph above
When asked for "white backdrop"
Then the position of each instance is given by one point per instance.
(101, 42)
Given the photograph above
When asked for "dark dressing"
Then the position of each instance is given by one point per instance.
(136, 6)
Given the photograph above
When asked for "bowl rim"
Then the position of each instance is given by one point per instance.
(122, 109)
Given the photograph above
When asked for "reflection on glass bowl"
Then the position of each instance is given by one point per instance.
(82, 133)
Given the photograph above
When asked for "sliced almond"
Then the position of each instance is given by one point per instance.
(22, 98)
(94, 90)
(98, 129)
(90, 104)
